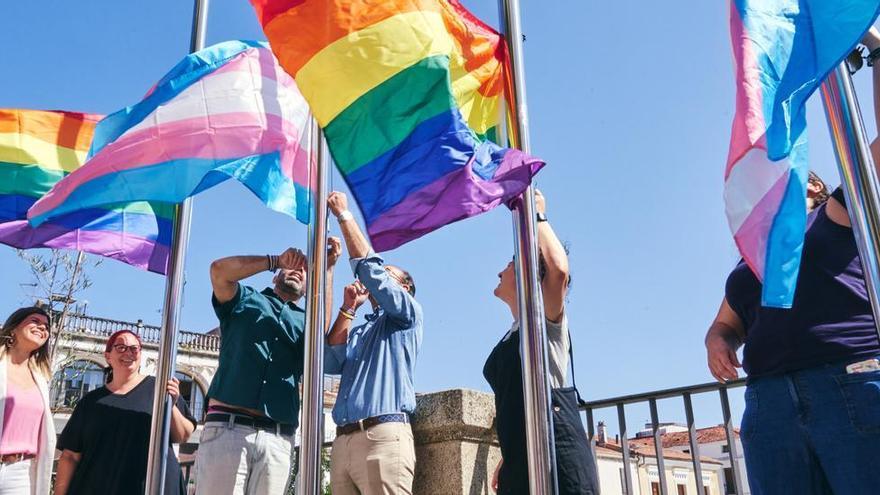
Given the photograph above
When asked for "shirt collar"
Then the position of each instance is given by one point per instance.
(270, 292)
(374, 315)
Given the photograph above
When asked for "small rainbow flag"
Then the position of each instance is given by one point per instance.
(783, 50)
(228, 111)
(408, 93)
(37, 149)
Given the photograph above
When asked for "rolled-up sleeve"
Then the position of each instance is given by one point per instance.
(334, 358)
(391, 296)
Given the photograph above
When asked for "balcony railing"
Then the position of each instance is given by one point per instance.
(149, 334)
(686, 394)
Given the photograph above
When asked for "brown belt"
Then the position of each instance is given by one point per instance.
(367, 423)
(13, 458)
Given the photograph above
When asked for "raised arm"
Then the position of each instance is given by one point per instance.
(725, 336)
(227, 272)
(355, 241)
(391, 295)
(836, 211)
(334, 251)
(353, 297)
(554, 286)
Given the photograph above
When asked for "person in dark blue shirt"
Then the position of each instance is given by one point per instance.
(812, 418)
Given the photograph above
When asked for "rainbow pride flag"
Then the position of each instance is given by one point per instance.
(783, 50)
(37, 149)
(408, 93)
(228, 111)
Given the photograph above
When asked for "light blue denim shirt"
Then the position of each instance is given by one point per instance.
(378, 361)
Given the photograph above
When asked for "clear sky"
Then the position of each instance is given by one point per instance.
(630, 103)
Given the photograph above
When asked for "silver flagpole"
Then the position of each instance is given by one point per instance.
(857, 173)
(311, 437)
(160, 430)
(533, 348)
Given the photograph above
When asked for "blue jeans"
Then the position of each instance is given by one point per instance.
(813, 432)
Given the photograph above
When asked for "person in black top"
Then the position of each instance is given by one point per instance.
(575, 464)
(105, 443)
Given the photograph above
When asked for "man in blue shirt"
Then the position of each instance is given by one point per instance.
(373, 452)
(245, 447)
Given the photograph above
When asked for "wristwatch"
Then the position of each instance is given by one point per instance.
(541, 217)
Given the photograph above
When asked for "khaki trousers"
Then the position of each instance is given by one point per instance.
(378, 461)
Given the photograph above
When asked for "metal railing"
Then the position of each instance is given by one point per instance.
(686, 394)
(149, 334)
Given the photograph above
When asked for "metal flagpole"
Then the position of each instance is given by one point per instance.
(311, 437)
(857, 173)
(533, 348)
(160, 429)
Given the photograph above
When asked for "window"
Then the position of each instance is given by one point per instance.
(705, 489)
(725, 448)
(655, 488)
(192, 392)
(729, 483)
(72, 382)
(622, 480)
(682, 490)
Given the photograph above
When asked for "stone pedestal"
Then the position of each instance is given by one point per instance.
(456, 446)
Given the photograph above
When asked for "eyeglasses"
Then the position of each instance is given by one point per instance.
(122, 348)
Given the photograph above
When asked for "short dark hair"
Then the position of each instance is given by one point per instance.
(407, 279)
(823, 195)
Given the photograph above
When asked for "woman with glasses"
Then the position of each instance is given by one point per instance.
(27, 435)
(104, 444)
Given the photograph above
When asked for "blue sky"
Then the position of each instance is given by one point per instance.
(630, 105)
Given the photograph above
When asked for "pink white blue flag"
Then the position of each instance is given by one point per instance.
(783, 50)
(228, 111)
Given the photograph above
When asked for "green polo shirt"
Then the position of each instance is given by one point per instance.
(261, 353)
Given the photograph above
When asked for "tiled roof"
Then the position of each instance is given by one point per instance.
(680, 438)
(611, 449)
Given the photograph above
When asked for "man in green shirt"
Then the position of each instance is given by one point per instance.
(245, 446)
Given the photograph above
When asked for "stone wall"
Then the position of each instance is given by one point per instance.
(456, 446)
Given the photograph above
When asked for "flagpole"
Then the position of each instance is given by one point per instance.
(160, 429)
(311, 437)
(533, 348)
(857, 173)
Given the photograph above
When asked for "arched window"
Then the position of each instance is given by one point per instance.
(194, 395)
(72, 382)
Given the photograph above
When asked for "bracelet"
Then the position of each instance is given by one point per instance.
(347, 313)
(272, 262)
(540, 217)
(872, 56)
(345, 216)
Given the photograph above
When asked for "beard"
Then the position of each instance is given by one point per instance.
(292, 289)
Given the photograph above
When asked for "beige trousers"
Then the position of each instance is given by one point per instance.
(378, 461)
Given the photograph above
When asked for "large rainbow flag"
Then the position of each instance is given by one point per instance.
(783, 50)
(408, 93)
(228, 111)
(37, 149)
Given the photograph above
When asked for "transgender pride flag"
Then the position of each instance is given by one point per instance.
(228, 111)
(783, 50)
